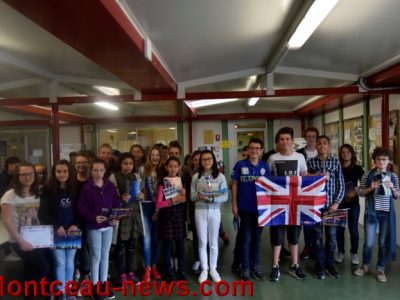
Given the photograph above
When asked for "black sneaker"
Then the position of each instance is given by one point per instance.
(296, 272)
(320, 274)
(331, 271)
(181, 276)
(245, 276)
(95, 295)
(236, 270)
(275, 273)
(257, 274)
(110, 295)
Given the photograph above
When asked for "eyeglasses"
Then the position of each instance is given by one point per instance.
(381, 159)
(27, 174)
(254, 148)
(207, 159)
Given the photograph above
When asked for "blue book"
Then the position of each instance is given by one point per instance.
(134, 190)
(73, 240)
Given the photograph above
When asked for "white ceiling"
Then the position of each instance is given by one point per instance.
(207, 46)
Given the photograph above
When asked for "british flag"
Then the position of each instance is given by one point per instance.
(290, 200)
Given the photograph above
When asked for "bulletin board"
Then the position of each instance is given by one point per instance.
(374, 134)
(353, 134)
(332, 132)
(394, 136)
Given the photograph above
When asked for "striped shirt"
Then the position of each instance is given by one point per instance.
(382, 194)
(335, 183)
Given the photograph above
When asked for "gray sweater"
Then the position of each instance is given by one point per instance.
(201, 185)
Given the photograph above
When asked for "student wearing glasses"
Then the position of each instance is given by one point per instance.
(380, 187)
(244, 207)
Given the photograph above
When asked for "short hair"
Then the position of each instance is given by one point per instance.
(106, 145)
(245, 148)
(312, 128)
(12, 160)
(175, 144)
(382, 151)
(256, 141)
(324, 137)
(284, 130)
(123, 156)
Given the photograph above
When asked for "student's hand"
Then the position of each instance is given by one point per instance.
(234, 210)
(333, 207)
(25, 246)
(389, 184)
(140, 196)
(61, 232)
(100, 219)
(155, 216)
(72, 228)
(183, 191)
(113, 222)
(375, 184)
(126, 197)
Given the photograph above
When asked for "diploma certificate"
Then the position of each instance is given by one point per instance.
(40, 236)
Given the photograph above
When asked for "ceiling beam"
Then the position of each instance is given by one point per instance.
(93, 81)
(25, 123)
(245, 116)
(389, 76)
(316, 73)
(21, 83)
(132, 119)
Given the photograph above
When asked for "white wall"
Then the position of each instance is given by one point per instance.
(332, 117)
(353, 111)
(294, 123)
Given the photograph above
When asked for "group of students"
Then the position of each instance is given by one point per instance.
(379, 186)
(78, 192)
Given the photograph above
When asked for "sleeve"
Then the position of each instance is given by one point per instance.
(116, 203)
(222, 186)
(160, 202)
(236, 172)
(8, 197)
(84, 208)
(363, 184)
(193, 187)
(340, 184)
(271, 165)
(302, 163)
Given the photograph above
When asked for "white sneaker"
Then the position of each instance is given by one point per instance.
(196, 265)
(12, 257)
(339, 257)
(354, 259)
(215, 276)
(203, 276)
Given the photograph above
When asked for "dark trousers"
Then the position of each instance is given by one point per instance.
(82, 255)
(324, 255)
(195, 237)
(128, 248)
(352, 220)
(180, 250)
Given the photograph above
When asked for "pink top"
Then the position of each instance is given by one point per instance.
(160, 202)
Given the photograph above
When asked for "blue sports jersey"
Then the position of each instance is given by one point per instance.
(245, 173)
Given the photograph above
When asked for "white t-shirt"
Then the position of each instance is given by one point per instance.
(287, 165)
(311, 154)
(25, 210)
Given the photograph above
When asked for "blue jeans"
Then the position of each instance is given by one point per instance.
(64, 265)
(150, 239)
(99, 245)
(250, 235)
(353, 216)
(370, 226)
(324, 256)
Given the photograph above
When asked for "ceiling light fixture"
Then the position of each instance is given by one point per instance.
(203, 103)
(107, 105)
(253, 101)
(109, 91)
(112, 130)
(315, 15)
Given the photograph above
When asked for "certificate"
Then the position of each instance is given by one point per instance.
(40, 236)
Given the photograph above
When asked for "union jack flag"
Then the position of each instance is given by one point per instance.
(290, 200)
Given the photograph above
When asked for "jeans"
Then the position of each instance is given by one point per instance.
(150, 239)
(128, 248)
(353, 216)
(250, 235)
(324, 257)
(99, 245)
(208, 224)
(180, 249)
(64, 265)
(370, 226)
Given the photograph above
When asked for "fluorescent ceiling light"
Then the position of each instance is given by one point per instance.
(172, 128)
(315, 15)
(112, 130)
(107, 90)
(203, 103)
(107, 105)
(253, 101)
(132, 132)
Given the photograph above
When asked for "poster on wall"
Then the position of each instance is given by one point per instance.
(332, 132)
(353, 134)
(208, 137)
(394, 135)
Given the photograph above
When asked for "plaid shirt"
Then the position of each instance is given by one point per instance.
(335, 184)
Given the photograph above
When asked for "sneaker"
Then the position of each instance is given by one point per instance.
(77, 275)
(133, 278)
(146, 274)
(96, 296)
(320, 274)
(285, 253)
(203, 276)
(196, 267)
(122, 279)
(339, 257)
(154, 273)
(331, 271)
(245, 275)
(296, 272)
(12, 257)
(361, 271)
(257, 274)
(236, 270)
(305, 254)
(354, 259)
(275, 273)
(215, 276)
(181, 276)
(110, 295)
(381, 276)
